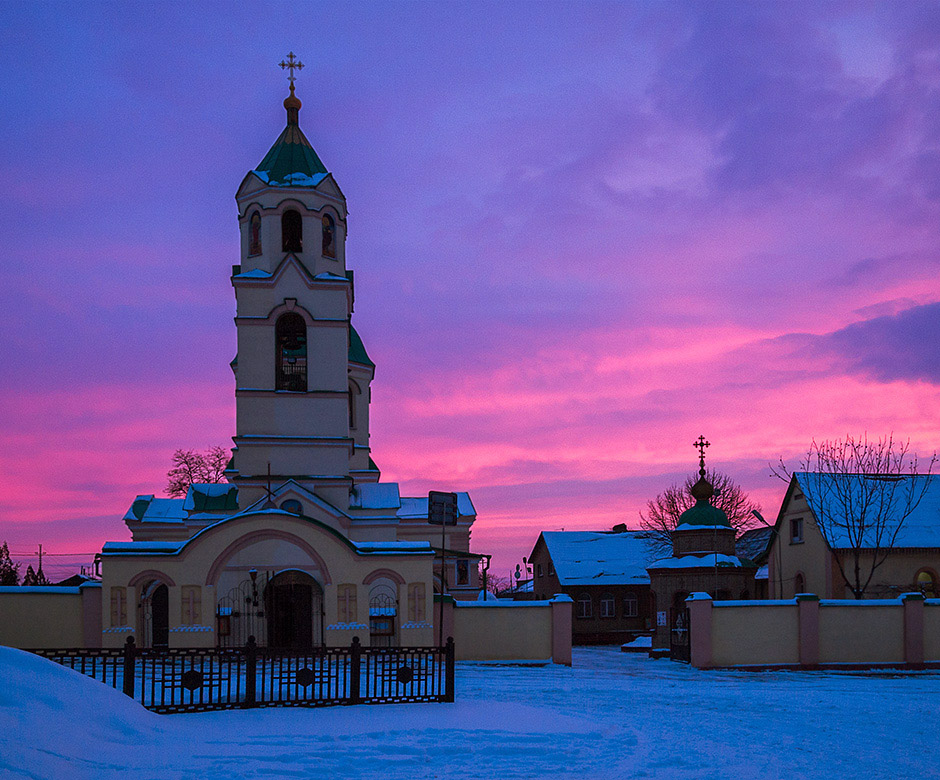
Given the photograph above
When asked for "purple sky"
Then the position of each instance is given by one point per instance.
(583, 234)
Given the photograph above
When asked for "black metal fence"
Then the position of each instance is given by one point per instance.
(197, 679)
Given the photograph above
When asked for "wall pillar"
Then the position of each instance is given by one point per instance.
(913, 629)
(91, 615)
(700, 627)
(562, 609)
(808, 616)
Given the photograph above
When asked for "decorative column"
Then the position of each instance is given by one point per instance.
(562, 607)
(913, 629)
(808, 616)
(700, 627)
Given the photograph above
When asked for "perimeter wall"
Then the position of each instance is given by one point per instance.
(809, 633)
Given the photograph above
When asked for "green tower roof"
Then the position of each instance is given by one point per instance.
(357, 350)
(291, 162)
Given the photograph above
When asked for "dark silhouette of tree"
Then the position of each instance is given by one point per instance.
(662, 513)
(35, 577)
(861, 493)
(9, 571)
(190, 466)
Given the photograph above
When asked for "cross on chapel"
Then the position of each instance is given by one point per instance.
(700, 444)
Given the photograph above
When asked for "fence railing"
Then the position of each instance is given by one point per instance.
(197, 679)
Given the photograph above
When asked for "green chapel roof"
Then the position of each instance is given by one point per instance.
(702, 513)
(291, 162)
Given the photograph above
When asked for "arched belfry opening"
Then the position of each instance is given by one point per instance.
(254, 234)
(290, 334)
(292, 231)
(329, 236)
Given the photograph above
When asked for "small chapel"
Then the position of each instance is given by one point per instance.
(304, 545)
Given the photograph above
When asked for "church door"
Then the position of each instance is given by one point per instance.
(293, 602)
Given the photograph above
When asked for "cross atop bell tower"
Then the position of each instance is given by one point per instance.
(290, 64)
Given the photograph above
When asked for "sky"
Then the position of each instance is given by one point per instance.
(583, 233)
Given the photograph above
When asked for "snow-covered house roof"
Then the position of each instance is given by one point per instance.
(841, 497)
(753, 544)
(597, 558)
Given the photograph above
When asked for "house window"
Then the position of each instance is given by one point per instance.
(329, 236)
(585, 609)
(292, 505)
(799, 584)
(292, 232)
(608, 606)
(796, 530)
(254, 234)
(539, 568)
(190, 606)
(346, 603)
(551, 568)
(290, 333)
(118, 606)
(631, 605)
(416, 602)
(462, 572)
(926, 583)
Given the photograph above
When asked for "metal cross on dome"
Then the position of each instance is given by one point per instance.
(700, 444)
(290, 64)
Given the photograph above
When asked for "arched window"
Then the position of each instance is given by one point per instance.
(329, 236)
(585, 609)
(608, 606)
(631, 605)
(254, 234)
(293, 505)
(290, 335)
(926, 583)
(799, 584)
(292, 232)
(353, 393)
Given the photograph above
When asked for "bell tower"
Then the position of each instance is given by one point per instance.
(302, 374)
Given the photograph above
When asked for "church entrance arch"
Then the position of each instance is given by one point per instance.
(293, 604)
(155, 615)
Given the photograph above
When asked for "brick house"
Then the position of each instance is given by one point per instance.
(604, 573)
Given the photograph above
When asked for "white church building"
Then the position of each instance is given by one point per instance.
(304, 545)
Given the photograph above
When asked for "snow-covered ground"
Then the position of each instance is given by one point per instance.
(612, 715)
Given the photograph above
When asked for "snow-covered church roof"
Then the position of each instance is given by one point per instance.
(597, 558)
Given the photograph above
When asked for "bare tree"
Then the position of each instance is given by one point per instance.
(861, 493)
(190, 466)
(662, 513)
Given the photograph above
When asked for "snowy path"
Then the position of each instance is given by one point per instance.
(613, 715)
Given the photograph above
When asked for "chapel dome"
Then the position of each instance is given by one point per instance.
(702, 513)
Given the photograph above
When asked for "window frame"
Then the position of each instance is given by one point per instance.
(580, 612)
(608, 607)
(796, 530)
(631, 598)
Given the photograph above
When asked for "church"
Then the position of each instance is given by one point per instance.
(304, 545)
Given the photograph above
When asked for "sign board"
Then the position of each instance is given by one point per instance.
(442, 508)
(660, 618)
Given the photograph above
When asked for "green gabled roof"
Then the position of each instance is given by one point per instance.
(357, 350)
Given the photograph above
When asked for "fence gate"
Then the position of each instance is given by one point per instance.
(680, 646)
